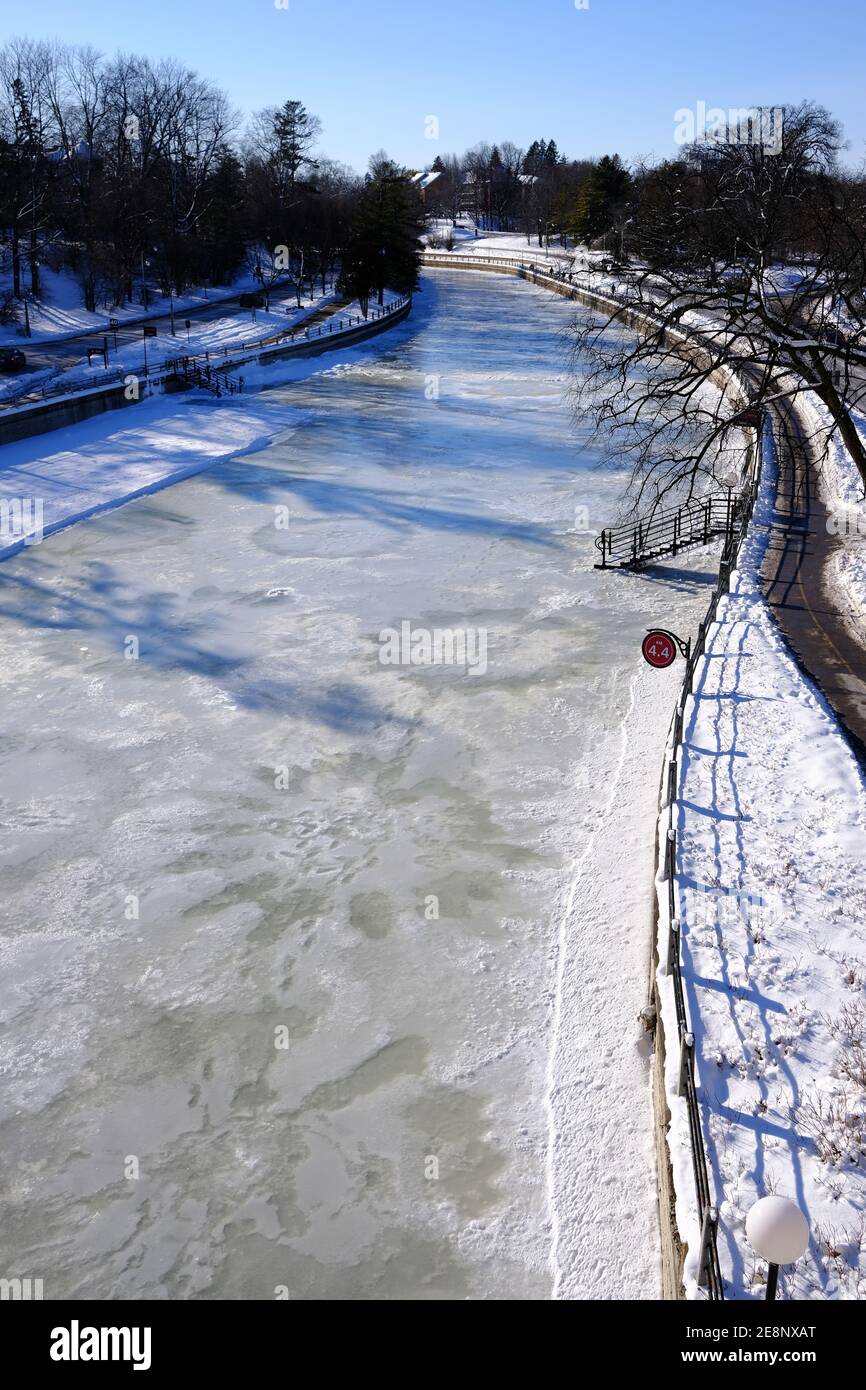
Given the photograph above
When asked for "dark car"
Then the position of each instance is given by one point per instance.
(11, 360)
(252, 301)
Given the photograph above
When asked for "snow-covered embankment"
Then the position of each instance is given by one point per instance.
(771, 896)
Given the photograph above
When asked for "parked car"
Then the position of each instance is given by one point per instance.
(12, 360)
(252, 301)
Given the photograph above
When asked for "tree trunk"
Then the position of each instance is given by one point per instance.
(826, 391)
(16, 264)
(848, 430)
(33, 257)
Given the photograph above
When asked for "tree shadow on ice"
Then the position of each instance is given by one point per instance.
(261, 483)
(104, 607)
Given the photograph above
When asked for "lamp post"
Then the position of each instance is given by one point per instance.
(778, 1231)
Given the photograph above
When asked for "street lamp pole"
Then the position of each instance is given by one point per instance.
(772, 1281)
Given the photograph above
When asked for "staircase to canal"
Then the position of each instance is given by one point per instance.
(670, 531)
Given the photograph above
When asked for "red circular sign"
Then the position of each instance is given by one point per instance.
(659, 649)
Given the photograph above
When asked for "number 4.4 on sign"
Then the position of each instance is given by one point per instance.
(659, 648)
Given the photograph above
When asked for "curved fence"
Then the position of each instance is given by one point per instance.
(709, 1272)
(223, 360)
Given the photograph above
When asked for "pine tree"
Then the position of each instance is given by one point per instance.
(222, 227)
(384, 248)
(295, 133)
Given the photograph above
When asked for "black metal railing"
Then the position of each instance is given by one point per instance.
(709, 1271)
(671, 530)
(203, 375)
(222, 359)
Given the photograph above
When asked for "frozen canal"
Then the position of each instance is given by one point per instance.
(320, 975)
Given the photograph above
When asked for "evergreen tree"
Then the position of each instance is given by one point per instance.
(384, 248)
(295, 133)
(222, 227)
(600, 198)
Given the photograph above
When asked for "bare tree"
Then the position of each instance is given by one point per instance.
(749, 289)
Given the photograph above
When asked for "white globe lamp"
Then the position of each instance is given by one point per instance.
(778, 1232)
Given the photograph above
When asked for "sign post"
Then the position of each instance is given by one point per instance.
(114, 324)
(659, 648)
(149, 331)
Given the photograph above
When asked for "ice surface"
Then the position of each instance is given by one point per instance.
(499, 1039)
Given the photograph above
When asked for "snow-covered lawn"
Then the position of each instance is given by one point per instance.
(771, 884)
(60, 313)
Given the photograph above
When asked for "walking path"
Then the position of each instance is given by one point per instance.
(794, 573)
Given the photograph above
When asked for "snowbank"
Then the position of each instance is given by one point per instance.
(110, 459)
(771, 891)
(842, 495)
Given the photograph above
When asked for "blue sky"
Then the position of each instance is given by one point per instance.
(597, 80)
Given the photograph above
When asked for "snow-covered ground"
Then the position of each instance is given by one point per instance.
(228, 334)
(445, 900)
(509, 245)
(842, 494)
(70, 474)
(771, 823)
(59, 313)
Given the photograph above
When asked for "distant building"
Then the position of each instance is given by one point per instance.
(423, 181)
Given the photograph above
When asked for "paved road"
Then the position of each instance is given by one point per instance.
(823, 638)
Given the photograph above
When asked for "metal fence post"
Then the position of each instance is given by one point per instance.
(669, 964)
(687, 1063)
(709, 1226)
